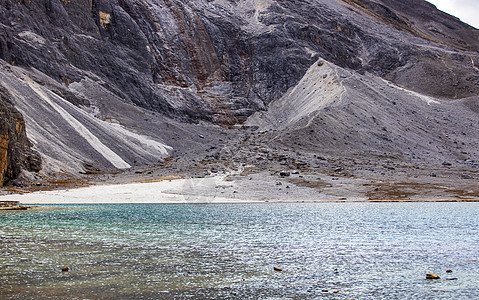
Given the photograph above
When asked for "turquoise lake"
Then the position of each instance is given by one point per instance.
(229, 251)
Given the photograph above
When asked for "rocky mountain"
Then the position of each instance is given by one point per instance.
(117, 83)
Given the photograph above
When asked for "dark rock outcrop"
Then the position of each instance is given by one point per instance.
(15, 148)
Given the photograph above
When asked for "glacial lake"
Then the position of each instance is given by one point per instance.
(229, 251)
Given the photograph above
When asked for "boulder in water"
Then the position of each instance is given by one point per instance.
(432, 276)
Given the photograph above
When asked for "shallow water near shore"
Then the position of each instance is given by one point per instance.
(326, 250)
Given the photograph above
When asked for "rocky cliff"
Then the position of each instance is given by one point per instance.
(15, 149)
(219, 62)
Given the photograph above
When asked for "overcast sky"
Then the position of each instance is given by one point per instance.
(466, 10)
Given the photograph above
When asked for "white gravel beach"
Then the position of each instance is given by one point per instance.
(258, 187)
(167, 191)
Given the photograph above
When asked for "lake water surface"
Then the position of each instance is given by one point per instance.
(228, 251)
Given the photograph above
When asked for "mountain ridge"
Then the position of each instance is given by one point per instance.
(193, 66)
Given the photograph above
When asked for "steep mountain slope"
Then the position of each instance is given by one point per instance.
(201, 59)
(66, 126)
(339, 112)
(78, 68)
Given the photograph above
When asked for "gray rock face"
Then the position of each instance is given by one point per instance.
(78, 138)
(221, 61)
(168, 56)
